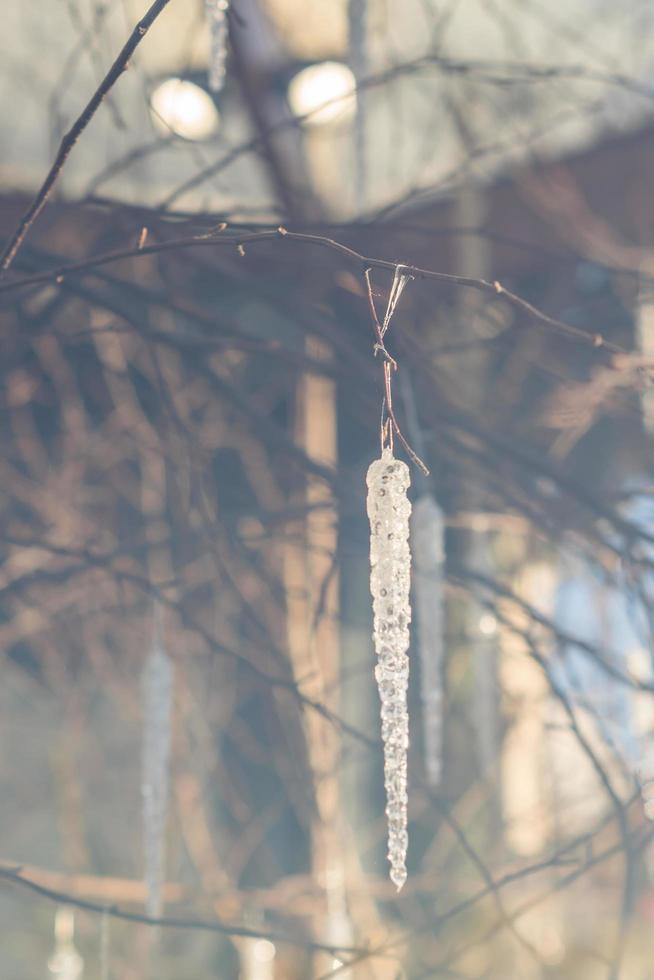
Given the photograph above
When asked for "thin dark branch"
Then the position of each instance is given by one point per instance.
(238, 243)
(72, 136)
(14, 876)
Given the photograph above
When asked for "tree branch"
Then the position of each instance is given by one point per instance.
(71, 137)
(14, 876)
(239, 243)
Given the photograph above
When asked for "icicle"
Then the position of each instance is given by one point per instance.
(645, 344)
(427, 550)
(157, 688)
(217, 13)
(105, 926)
(390, 560)
(257, 959)
(645, 776)
(65, 963)
(358, 22)
(485, 701)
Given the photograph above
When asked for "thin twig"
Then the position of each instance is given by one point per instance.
(390, 364)
(14, 876)
(495, 288)
(72, 136)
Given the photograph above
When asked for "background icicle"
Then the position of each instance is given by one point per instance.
(105, 928)
(427, 550)
(257, 959)
(219, 30)
(390, 560)
(645, 776)
(157, 690)
(428, 557)
(358, 28)
(65, 962)
(483, 639)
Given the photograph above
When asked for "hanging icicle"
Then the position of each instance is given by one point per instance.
(257, 959)
(358, 24)
(389, 511)
(65, 962)
(157, 691)
(219, 30)
(390, 560)
(645, 343)
(105, 927)
(427, 551)
(645, 776)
